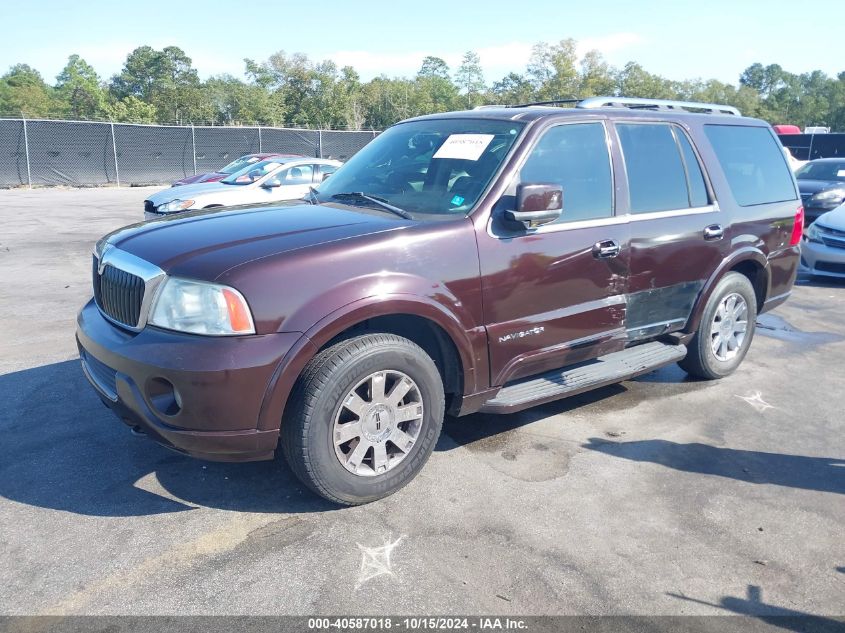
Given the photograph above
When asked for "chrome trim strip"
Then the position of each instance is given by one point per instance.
(672, 213)
(610, 221)
(127, 262)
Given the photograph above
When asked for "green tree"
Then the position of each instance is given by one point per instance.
(552, 70)
(23, 90)
(80, 90)
(129, 110)
(512, 89)
(434, 67)
(470, 79)
(166, 79)
(594, 77)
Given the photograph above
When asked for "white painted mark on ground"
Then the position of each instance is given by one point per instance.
(756, 401)
(375, 561)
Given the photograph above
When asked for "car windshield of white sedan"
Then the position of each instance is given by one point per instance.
(238, 164)
(252, 173)
(431, 167)
(833, 170)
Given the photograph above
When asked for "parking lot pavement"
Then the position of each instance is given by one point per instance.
(658, 496)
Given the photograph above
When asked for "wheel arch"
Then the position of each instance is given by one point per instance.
(750, 262)
(426, 323)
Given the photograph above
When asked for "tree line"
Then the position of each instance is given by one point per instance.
(162, 86)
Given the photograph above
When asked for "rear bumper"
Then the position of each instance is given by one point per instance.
(198, 395)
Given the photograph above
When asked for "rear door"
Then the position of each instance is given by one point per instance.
(555, 295)
(678, 233)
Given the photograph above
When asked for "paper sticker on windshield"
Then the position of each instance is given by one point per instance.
(840, 173)
(464, 146)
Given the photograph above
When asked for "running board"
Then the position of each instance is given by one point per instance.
(569, 381)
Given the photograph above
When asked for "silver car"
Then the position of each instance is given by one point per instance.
(270, 180)
(823, 248)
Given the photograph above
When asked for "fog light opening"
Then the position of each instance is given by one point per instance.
(163, 396)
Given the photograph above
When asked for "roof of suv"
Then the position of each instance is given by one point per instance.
(532, 113)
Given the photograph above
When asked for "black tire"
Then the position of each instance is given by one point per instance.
(701, 361)
(307, 428)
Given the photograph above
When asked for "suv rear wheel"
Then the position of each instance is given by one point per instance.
(726, 329)
(363, 418)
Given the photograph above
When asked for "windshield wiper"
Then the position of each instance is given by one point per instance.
(380, 202)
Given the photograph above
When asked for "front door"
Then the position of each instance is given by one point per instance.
(555, 295)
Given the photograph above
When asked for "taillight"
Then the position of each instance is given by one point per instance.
(797, 227)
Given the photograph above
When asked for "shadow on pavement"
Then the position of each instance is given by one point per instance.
(781, 617)
(63, 449)
(824, 474)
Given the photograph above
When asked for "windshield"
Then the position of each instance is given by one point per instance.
(252, 173)
(238, 164)
(834, 170)
(437, 166)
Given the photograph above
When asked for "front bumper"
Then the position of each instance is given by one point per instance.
(820, 259)
(198, 395)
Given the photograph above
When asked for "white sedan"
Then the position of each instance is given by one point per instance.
(823, 248)
(270, 180)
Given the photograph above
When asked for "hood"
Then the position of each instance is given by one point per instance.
(815, 186)
(187, 192)
(212, 176)
(205, 244)
(833, 219)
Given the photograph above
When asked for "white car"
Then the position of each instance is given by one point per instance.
(270, 180)
(823, 247)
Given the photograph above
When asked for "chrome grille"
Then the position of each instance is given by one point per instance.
(833, 242)
(119, 294)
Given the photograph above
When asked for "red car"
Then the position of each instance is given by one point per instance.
(233, 167)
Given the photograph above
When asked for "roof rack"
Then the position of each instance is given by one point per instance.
(656, 104)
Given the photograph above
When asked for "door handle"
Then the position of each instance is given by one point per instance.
(714, 232)
(606, 249)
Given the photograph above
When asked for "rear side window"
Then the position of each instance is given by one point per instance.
(576, 157)
(753, 162)
(657, 177)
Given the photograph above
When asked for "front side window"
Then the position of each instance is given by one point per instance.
(429, 167)
(753, 162)
(576, 157)
(657, 177)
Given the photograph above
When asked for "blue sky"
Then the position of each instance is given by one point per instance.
(713, 39)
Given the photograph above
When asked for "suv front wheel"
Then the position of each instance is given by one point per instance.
(363, 418)
(726, 329)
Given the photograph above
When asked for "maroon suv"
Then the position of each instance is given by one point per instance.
(488, 260)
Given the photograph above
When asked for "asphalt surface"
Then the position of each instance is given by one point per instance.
(657, 496)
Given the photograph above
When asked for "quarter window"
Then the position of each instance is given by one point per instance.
(659, 178)
(753, 162)
(575, 157)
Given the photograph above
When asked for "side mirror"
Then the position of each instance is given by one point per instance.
(325, 176)
(537, 204)
(272, 183)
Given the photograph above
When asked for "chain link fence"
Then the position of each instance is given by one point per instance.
(78, 153)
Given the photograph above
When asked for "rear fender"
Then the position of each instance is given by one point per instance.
(745, 254)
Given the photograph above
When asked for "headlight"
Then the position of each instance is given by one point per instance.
(176, 205)
(830, 194)
(814, 234)
(201, 308)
